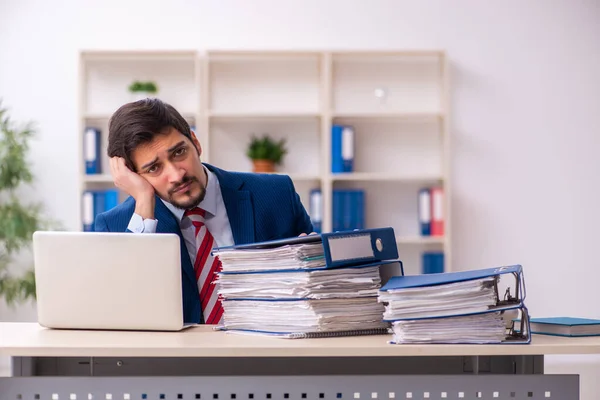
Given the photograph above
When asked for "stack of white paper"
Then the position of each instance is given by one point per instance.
(455, 312)
(288, 290)
(304, 316)
(477, 329)
(297, 256)
(441, 300)
(320, 284)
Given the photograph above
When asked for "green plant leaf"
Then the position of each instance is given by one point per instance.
(18, 220)
(139, 86)
(150, 87)
(265, 148)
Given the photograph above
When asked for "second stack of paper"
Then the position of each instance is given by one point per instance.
(289, 291)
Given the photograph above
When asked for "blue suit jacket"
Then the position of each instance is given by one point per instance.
(259, 207)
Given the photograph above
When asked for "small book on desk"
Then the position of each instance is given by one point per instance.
(565, 326)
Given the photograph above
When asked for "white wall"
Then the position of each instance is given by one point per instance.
(526, 102)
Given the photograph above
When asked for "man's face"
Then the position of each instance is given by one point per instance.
(171, 164)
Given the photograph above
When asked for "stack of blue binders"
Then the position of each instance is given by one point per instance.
(474, 307)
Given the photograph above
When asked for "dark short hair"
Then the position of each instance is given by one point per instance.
(140, 122)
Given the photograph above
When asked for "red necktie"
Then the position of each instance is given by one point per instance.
(206, 267)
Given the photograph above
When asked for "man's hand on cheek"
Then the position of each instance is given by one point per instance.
(130, 182)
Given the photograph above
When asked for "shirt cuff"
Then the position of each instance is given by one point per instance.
(139, 225)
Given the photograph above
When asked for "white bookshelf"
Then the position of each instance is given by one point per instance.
(402, 139)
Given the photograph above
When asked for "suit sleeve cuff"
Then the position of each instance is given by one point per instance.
(139, 225)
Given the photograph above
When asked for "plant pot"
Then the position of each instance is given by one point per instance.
(263, 166)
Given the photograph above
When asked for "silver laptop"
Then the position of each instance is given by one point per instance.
(111, 281)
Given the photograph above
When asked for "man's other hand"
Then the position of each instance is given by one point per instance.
(304, 234)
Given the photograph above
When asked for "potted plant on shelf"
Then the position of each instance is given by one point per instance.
(142, 90)
(265, 153)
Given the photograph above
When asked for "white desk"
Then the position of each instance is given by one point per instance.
(246, 364)
(31, 340)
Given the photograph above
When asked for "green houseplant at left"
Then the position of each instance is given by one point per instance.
(18, 219)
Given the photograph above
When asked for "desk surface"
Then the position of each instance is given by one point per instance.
(32, 340)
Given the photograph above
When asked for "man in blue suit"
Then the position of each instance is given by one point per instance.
(155, 158)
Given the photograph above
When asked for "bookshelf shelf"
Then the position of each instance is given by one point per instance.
(265, 116)
(389, 115)
(99, 178)
(97, 116)
(304, 177)
(384, 177)
(188, 115)
(395, 101)
(141, 55)
(420, 240)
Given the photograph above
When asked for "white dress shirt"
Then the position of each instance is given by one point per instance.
(216, 219)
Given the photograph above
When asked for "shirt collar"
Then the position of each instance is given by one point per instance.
(209, 203)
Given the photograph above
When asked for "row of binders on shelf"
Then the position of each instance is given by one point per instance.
(95, 202)
(342, 147)
(336, 284)
(348, 209)
(431, 211)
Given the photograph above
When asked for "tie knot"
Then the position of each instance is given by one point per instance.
(195, 211)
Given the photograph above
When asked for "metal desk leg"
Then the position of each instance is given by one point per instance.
(475, 365)
(22, 366)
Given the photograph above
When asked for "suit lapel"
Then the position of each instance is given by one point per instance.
(167, 223)
(238, 205)
(241, 216)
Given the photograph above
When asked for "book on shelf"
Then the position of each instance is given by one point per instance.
(458, 307)
(91, 150)
(311, 286)
(424, 210)
(342, 148)
(348, 209)
(432, 262)
(315, 210)
(431, 211)
(95, 202)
